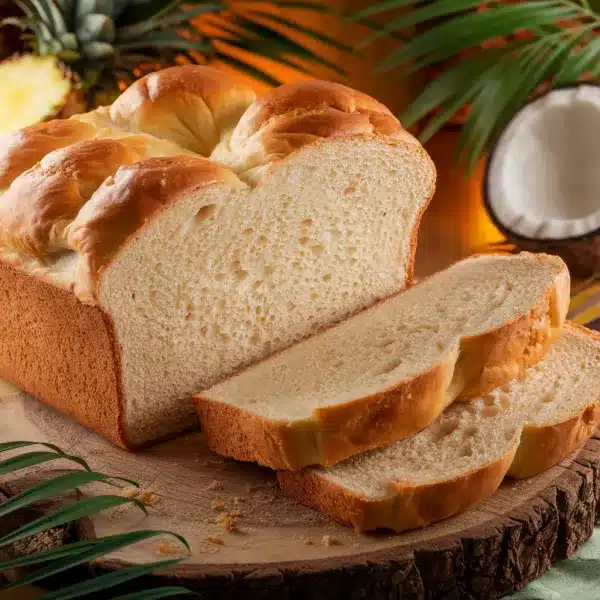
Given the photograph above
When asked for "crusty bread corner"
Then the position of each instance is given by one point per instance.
(544, 446)
(334, 433)
(407, 507)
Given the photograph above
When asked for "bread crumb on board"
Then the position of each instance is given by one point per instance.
(229, 520)
(239, 500)
(216, 485)
(145, 496)
(329, 540)
(214, 539)
(252, 487)
(168, 548)
(217, 505)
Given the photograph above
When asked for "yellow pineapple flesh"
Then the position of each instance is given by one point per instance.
(32, 89)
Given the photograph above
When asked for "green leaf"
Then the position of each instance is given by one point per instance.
(467, 31)
(106, 581)
(507, 86)
(309, 31)
(577, 64)
(144, 11)
(157, 593)
(95, 28)
(50, 14)
(29, 459)
(450, 82)
(67, 514)
(97, 50)
(431, 11)
(114, 541)
(104, 546)
(137, 29)
(249, 69)
(87, 7)
(269, 42)
(166, 39)
(55, 486)
(378, 7)
(6, 446)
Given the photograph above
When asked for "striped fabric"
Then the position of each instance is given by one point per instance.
(585, 304)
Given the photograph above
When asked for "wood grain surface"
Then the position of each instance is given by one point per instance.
(281, 550)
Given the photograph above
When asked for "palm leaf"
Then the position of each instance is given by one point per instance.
(101, 547)
(576, 65)
(431, 11)
(266, 41)
(6, 446)
(472, 29)
(137, 29)
(29, 459)
(114, 542)
(496, 81)
(55, 486)
(157, 593)
(380, 7)
(107, 581)
(67, 514)
(248, 68)
(309, 31)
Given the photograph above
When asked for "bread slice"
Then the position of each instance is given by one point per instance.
(390, 371)
(520, 428)
(151, 249)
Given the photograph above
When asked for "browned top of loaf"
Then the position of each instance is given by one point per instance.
(78, 185)
(22, 149)
(126, 201)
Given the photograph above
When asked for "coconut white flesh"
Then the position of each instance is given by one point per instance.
(543, 178)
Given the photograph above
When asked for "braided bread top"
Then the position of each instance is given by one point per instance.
(89, 182)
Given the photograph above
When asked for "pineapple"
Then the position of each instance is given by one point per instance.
(55, 93)
(93, 49)
(86, 52)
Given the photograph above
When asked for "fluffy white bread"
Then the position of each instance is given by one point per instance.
(195, 230)
(519, 429)
(391, 370)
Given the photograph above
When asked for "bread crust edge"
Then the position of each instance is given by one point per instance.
(336, 433)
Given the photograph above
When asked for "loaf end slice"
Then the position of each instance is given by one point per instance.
(519, 429)
(391, 370)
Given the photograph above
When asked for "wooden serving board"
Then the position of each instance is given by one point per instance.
(282, 550)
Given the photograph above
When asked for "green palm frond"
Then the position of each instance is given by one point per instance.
(57, 560)
(483, 64)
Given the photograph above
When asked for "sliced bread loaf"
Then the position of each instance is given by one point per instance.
(151, 249)
(520, 428)
(391, 370)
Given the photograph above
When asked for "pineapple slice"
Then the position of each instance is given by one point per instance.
(34, 89)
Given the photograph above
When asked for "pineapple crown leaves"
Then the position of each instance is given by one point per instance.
(56, 560)
(113, 41)
(492, 56)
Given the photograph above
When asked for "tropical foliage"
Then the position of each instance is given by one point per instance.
(63, 558)
(491, 56)
(115, 41)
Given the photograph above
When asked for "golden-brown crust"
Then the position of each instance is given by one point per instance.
(192, 106)
(340, 431)
(61, 351)
(545, 446)
(39, 205)
(315, 97)
(20, 150)
(295, 115)
(127, 201)
(407, 506)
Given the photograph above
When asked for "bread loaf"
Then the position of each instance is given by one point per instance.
(152, 248)
(391, 370)
(519, 429)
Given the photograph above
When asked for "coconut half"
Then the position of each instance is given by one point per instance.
(542, 180)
